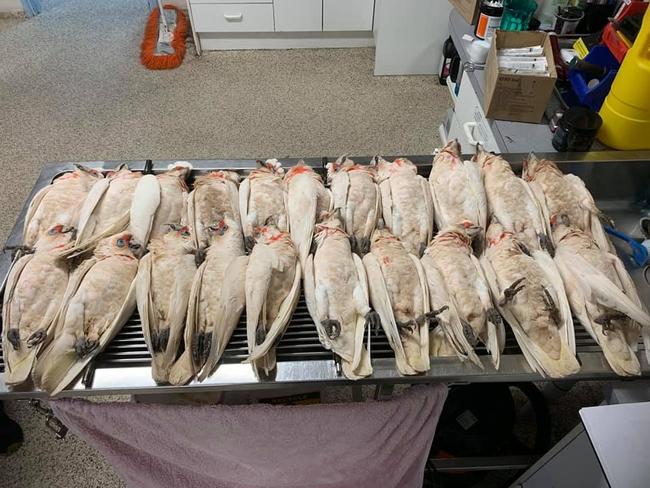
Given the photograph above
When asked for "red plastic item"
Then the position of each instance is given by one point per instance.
(610, 36)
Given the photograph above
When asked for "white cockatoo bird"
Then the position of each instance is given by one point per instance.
(457, 192)
(215, 196)
(602, 295)
(163, 286)
(451, 254)
(336, 292)
(407, 209)
(32, 297)
(530, 295)
(307, 202)
(272, 292)
(357, 196)
(399, 294)
(262, 200)
(99, 299)
(58, 203)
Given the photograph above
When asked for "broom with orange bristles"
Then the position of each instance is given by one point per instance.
(163, 46)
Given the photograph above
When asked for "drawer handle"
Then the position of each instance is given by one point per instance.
(468, 128)
(233, 17)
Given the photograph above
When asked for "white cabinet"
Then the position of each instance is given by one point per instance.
(233, 17)
(298, 15)
(348, 15)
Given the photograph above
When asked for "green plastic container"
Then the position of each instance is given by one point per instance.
(517, 14)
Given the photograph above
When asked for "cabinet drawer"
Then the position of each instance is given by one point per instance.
(348, 15)
(298, 15)
(233, 17)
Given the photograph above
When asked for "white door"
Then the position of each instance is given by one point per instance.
(298, 15)
(348, 15)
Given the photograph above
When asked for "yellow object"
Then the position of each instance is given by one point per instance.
(581, 48)
(626, 111)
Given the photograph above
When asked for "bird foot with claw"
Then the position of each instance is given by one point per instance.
(551, 307)
(332, 328)
(546, 244)
(337, 364)
(85, 346)
(13, 336)
(407, 327)
(510, 292)
(494, 317)
(249, 243)
(469, 333)
(199, 257)
(374, 321)
(363, 246)
(36, 338)
(606, 319)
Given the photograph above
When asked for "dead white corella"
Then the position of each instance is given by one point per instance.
(215, 196)
(262, 200)
(272, 291)
(530, 295)
(32, 297)
(407, 208)
(217, 299)
(58, 203)
(564, 195)
(106, 209)
(159, 200)
(457, 191)
(357, 197)
(163, 286)
(399, 294)
(99, 299)
(307, 201)
(602, 295)
(512, 203)
(451, 254)
(336, 291)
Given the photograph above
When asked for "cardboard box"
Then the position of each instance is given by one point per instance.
(517, 97)
(468, 9)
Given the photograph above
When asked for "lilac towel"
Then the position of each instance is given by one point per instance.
(381, 444)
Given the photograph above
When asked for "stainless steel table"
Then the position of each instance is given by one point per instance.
(620, 182)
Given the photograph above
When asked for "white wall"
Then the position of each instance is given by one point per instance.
(10, 6)
(409, 35)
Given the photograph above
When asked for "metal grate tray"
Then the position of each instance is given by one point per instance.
(123, 367)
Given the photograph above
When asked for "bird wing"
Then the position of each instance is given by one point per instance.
(144, 300)
(183, 369)
(423, 363)
(361, 365)
(340, 188)
(32, 208)
(244, 194)
(550, 270)
(127, 309)
(380, 300)
(438, 208)
(279, 324)
(233, 195)
(386, 203)
(233, 299)
(624, 363)
(303, 202)
(86, 226)
(19, 362)
(146, 198)
(475, 185)
(496, 333)
(191, 219)
(534, 210)
(591, 213)
(540, 198)
(448, 319)
(310, 298)
(428, 207)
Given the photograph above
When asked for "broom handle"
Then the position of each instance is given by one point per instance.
(162, 15)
